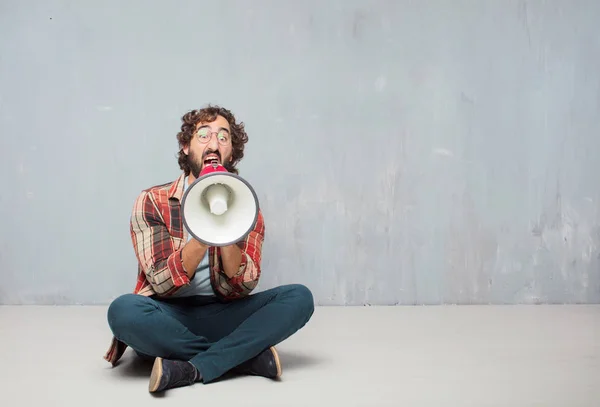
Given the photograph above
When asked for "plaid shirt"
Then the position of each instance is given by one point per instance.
(158, 237)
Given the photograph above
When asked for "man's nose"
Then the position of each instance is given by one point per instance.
(213, 143)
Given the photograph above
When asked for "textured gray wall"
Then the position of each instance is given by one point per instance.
(404, 152)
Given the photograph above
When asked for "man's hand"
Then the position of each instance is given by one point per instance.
(192, 255)
(232, 257)
(194, 251)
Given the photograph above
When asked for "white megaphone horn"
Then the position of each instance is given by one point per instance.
(219, 208)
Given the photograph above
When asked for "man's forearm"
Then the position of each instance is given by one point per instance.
(231, 257)
(192, 255)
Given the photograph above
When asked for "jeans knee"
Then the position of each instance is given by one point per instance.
(304, 298)
(123, 311)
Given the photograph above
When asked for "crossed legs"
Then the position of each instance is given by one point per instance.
(216, 337)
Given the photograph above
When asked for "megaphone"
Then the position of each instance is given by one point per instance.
(219, 208)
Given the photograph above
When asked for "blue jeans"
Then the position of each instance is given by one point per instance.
(214, 336)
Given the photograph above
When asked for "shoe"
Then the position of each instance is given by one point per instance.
(264, 364)
(168, 374)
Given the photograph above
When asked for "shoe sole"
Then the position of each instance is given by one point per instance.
(277, 363)
(155, 376)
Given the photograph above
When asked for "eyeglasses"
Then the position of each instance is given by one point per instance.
(205, 135)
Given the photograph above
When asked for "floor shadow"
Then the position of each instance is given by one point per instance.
(295, 360)
(131, 365)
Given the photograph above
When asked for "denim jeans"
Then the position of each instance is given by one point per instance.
(214, 336)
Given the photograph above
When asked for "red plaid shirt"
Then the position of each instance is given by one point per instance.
(158, 237)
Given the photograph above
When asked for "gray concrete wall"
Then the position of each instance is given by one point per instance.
(403, 152)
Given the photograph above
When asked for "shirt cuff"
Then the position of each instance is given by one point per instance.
(178, 273)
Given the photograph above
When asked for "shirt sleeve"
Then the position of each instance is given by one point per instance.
(161, 263)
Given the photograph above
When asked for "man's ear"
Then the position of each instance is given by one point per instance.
(186, 149)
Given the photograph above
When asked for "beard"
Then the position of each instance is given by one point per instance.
(194, 164)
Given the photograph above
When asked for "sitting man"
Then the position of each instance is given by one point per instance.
(191, 309)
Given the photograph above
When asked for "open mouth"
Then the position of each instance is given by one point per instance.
(211, 158)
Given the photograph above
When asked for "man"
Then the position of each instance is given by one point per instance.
(192, 308)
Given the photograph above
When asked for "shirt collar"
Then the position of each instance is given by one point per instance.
(176, 190)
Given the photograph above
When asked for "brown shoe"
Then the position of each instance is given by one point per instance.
(265, 364)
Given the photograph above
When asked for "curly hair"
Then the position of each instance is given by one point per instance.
(208, 114)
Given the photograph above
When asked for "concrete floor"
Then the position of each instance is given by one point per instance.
(361, 356)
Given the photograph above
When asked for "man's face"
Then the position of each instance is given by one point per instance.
(212, 141)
